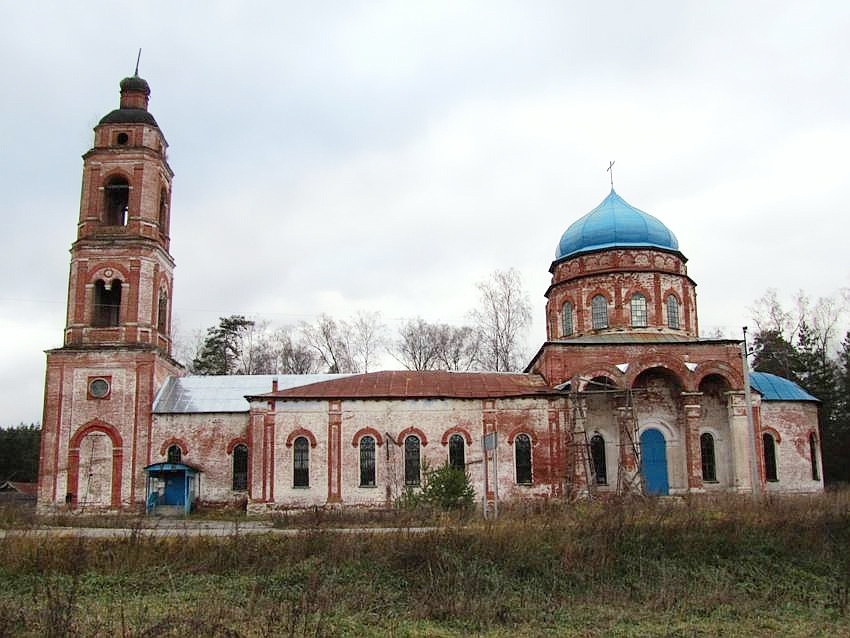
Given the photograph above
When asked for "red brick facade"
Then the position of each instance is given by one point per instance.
(622, 397)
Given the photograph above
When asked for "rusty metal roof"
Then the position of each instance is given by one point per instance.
(423, 384)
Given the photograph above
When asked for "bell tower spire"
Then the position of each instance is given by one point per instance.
(100, 385)
(121, 269)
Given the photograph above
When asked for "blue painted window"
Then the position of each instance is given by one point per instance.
(367, 462)
(599, 312)
(638, 309)
(411, 461)
(566, 319)
(522, 450)
(240, 468)
(301, 462)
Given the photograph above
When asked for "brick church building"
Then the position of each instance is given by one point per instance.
(624, 396)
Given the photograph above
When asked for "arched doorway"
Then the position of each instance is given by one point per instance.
(653, 451)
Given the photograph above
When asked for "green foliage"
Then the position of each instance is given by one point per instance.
(222, 349)
(448, 488)
(444, 488)
(19, 453)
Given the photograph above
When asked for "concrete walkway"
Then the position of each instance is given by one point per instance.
(166, 528)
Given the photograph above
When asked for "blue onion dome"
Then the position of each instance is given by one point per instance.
(615, 223)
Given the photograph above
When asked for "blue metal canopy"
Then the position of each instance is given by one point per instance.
(774, 388)
(615, 223)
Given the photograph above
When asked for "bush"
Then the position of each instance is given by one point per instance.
(448, 488)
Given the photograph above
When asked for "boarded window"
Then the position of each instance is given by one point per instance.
(599, 312)
(457, 452)
(522, 455)
(301, 462)
(709, 462)
(769, 446)
(566, 319)
(107, 303)
(367, 462)
(174, 454)
(411, 461)
(240, 468)
(673, 312)
(597, 455)
(116, 202)
(638, 311)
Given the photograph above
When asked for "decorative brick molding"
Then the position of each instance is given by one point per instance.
(456, 430)
(355, 440)
(415, 432)
(301, 432)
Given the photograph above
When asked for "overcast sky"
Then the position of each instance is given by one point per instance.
(336, 157)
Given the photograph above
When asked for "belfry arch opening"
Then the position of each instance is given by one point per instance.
(116, 202)
(107, 303)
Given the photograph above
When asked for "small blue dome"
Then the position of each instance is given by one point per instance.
(614, 223)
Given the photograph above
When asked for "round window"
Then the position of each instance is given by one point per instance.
(99, 388)
(123, 138)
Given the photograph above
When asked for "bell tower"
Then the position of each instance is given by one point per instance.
(117, 347)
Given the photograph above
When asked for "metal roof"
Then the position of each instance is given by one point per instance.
(775, 388)
(183, 395)
(422, 384)
(615, 223)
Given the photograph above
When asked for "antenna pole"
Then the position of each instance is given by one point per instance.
(138, 57)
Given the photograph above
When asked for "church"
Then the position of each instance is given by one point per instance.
(623, 397)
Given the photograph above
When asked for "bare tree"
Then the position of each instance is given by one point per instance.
(326, 337)
(367, 335)
(502, 318)
(418, 346)
(292, 354)
(459, 346)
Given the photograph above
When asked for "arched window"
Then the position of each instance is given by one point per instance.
(597, 455)
(162, 313)
(769, 457)
(240, 467)
(566, 319)
(522, 456)
(638, 310)
(813, 451)
(367, 462)
(117, 198)
(709, 464)
(301, 462)
(163, 211)
(107, 303)
(411, 460)
(599, 312)
(457, 452)
(673, 312)
(174, 455)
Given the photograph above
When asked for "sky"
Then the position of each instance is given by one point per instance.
(336, 157)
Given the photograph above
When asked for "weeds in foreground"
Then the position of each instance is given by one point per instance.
(698, 563)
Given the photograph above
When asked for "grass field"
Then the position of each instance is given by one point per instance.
(731, 567)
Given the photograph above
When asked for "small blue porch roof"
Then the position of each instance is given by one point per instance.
(775, 388)
(171, 467)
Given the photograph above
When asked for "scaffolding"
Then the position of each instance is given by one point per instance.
(581, 472)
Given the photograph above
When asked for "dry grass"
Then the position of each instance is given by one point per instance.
(637, 567)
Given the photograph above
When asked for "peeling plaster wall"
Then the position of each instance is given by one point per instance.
(206, 437)
(794, 421)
